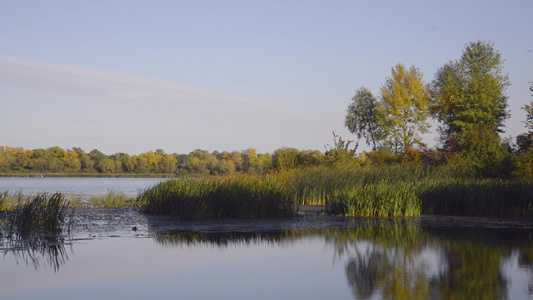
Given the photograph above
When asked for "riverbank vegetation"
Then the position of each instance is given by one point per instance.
(472, 171)
(238, 196)
(39, 215)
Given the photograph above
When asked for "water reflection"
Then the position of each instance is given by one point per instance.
(376, 259)
(404, 261)
(43, 251)
(187, 238)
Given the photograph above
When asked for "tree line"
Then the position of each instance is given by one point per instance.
(468, 100)
(76, 160)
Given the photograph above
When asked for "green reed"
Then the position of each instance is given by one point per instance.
(405, 190)
(113, 199)
(3, 199)
(477, 197)
(378, 191)
(42, 214)
(382, 200)
(238, 196)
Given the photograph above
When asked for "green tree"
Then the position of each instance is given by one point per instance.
(107, 165)
(404, 108)
(481, 154)
(96, 156)
(471, 91)
(523, 161)
(86, 163)
(167, 164)
(238, 160)
(285, 159)
(72, 162)
(251, 161)
(529, 110)
(128, 163)
(142, 164)
(226, 166)
(362, 117)
(264, 163)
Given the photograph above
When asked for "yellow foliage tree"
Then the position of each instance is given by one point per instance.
(404, 108)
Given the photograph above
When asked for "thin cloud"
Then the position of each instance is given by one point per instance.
(96, 85)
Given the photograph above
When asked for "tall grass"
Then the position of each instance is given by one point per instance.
(3, 199)
(113, 199)
(238, 196)
(41, 215)
(382, 200)
(380, 191)
(405, 190)
(477, 197)
(374, 191)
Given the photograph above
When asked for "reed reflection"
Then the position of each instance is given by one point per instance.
(43, 251)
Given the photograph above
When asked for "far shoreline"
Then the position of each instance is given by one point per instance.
(84, 175)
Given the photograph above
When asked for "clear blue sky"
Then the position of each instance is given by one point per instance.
(133, 76)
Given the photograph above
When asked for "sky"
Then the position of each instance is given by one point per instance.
(135, 76)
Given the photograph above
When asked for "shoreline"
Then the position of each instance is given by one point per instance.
(84, 175)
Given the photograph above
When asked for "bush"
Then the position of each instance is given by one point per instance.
(523, 165)
(480, 154)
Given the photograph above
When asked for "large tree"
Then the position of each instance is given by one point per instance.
(362, 118)
(404, 108)
(471, 91)
(529, 110)
(524, 141)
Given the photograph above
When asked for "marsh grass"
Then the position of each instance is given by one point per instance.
(381, 200)
(39, 215)
(236, 196)
(373, 191)
(113, 199)
(3, 199)
(477, 197)
(407, 190)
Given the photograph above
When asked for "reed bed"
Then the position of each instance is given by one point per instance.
(407, 190)
(113, 199)
(376, 191)
(477, 197)
(238, 196)
(40, 215)
(381, 200)
(3, 200)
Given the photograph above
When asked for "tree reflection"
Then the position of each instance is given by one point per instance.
(363, 273)
(395, 260)
(473, 271)
(525, 261)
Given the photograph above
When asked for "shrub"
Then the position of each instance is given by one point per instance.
(523, 165)
(481, 154)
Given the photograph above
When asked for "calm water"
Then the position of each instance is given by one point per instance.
(82, 188)
(307, 257)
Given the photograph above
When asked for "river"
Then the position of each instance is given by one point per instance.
(124, 254)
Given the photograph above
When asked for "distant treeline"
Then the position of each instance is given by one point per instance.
(71, 161)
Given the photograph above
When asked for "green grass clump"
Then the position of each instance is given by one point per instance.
(40, 215)
(3, 200)
(477, 197)
(113, 199)
(381, 200)
(238, 196)
(405, 190)
(380, 191)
